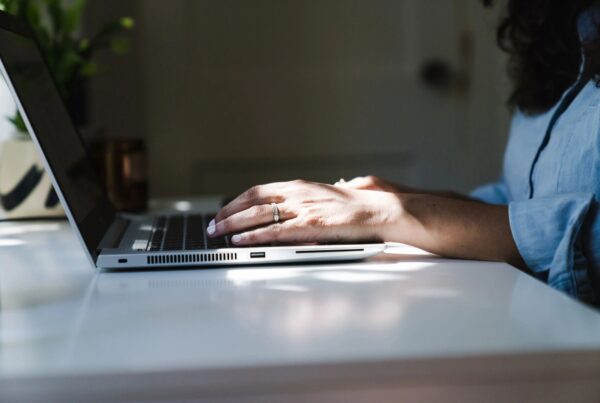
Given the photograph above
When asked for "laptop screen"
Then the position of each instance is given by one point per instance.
(54, 130)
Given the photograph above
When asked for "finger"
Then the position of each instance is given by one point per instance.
(283, 232)
(250, 218)
(255, 196)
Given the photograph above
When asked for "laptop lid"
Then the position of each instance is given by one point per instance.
(46, 116)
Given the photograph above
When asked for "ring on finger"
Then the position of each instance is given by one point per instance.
(276, 213)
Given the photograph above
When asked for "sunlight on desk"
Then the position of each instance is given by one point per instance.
(27, 228)
(356, 276)
(247, 275)
(11, 242)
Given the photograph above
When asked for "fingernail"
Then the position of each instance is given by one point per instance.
(211, 227)
(236, 238)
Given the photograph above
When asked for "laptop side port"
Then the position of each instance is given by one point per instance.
(257, 255)
(122, 261)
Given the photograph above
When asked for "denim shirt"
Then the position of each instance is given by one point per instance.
(557, 229)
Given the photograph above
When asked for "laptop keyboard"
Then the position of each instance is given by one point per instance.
(184, 232)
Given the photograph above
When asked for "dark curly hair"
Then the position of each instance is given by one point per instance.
(541, 39)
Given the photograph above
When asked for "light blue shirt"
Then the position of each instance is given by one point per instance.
(557, 230)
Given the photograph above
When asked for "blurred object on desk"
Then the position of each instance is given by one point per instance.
(122, 166)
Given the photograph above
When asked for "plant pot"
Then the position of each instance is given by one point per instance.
(25, 187)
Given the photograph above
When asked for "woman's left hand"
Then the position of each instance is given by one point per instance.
(309, 212)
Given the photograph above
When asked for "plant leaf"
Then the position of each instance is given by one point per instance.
(84, 45)
(127, 22)
(33, 16)
(55, 15)
(18, 122)
(120, 45)
(73, 16)
(88, 69)
(103, 38)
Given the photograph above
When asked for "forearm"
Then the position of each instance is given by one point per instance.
(454, 227)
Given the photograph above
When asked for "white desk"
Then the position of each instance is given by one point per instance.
(398, 326)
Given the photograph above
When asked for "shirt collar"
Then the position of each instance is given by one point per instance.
(588, 24)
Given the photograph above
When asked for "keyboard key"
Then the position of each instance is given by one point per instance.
(179, 232)
(195, 233)
(218, 243)
(174, 234)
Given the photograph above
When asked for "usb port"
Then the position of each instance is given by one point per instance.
(257, 255)
(122, 261)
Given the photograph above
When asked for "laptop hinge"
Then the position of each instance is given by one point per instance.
(112, 238)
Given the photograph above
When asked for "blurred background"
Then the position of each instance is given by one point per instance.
(229, 93)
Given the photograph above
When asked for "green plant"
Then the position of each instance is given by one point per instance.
(57, 26)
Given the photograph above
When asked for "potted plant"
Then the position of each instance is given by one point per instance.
(25, 190)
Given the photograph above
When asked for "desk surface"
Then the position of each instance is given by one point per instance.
(61, 320)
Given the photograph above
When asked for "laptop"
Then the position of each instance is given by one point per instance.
(113, 240)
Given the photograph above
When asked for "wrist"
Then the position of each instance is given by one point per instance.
(400, 224)
(390, 216)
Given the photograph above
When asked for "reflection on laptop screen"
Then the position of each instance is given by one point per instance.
(54, 130)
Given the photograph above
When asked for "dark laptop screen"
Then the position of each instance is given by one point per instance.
(54, 130)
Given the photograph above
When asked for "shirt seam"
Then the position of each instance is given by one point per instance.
(563, 119)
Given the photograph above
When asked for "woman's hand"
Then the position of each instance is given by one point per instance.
(310, 212)
(314, 212)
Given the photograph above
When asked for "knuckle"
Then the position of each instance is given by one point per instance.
(254, 212)
(251, 237)
(313, 221)
(276, 232)
(287, 212)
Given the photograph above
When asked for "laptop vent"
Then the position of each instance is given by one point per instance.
(192, 258)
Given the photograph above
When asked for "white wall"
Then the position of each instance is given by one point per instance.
(228, 93)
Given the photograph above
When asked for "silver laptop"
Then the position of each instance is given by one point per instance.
(114, 240)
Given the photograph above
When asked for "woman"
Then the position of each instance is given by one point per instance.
(542, 216)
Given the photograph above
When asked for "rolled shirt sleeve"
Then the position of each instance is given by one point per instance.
(554, 236)
(492, 193)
